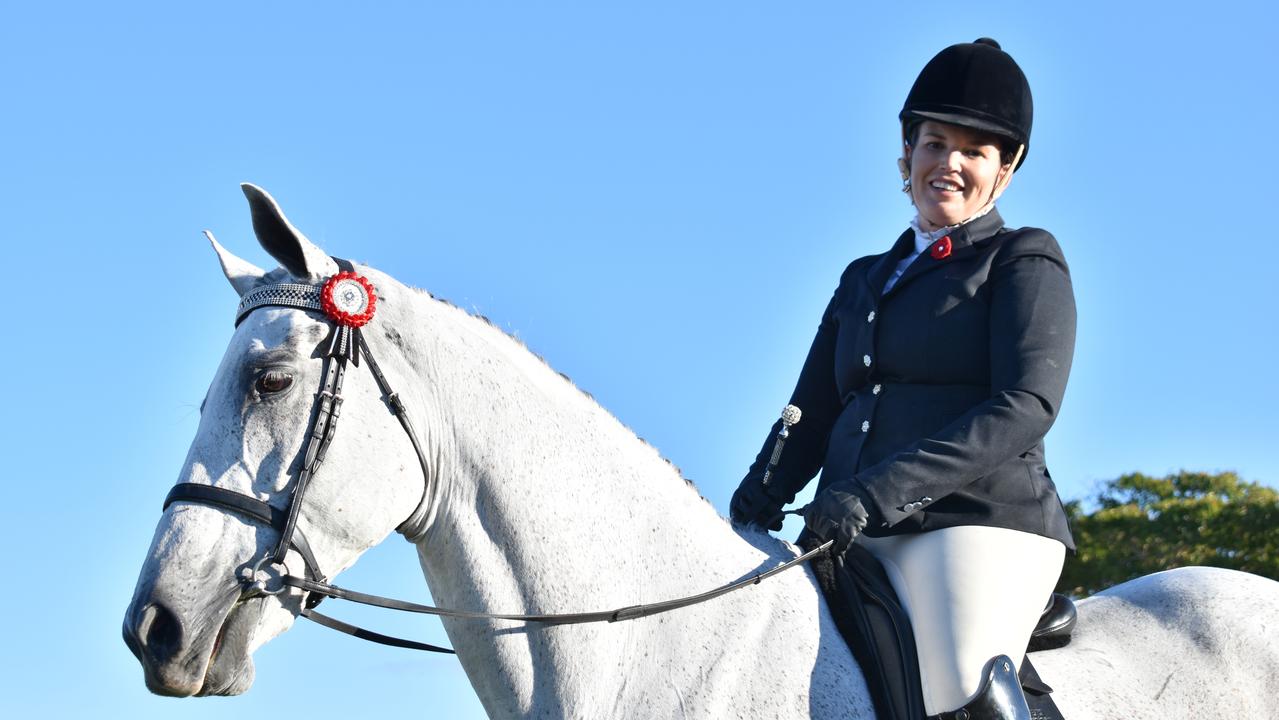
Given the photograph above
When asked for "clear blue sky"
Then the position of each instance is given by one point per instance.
(659, 199)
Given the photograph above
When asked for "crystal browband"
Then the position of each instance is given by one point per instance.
(294, 295)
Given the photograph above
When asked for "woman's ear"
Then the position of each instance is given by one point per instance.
(903, 162)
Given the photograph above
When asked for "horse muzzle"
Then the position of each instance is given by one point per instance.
(180, 661)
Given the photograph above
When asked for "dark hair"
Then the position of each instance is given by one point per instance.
(1007, 146)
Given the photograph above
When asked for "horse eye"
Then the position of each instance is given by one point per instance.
(273, 381)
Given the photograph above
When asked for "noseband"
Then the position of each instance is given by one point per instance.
(348, 301)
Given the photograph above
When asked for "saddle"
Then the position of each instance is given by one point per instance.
(875, 626)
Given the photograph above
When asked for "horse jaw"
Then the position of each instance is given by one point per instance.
(247, 627)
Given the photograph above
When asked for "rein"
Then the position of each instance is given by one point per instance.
(348, 301)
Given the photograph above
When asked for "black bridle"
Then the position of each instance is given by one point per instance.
(346, 345)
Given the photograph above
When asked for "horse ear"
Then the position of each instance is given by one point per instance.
(284, 242)
(242, 274)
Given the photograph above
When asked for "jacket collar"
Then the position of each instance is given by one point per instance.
(963, 240)
(977, 230)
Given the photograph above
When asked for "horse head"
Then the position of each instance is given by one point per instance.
(191, 622)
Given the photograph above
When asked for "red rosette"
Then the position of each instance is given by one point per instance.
(940, 249)
(348, 299)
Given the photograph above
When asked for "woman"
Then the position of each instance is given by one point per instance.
(937, 369)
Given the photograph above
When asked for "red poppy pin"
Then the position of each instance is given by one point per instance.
(940, 249)
(348, 299)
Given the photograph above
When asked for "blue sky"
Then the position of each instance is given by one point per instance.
(657, 197)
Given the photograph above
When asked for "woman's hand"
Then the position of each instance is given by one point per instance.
(837, 513)
(754, 503)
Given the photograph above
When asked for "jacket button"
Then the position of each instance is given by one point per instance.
(865, 426)
(875, 390)
(925, 499)
(866, 360)
(871, 316)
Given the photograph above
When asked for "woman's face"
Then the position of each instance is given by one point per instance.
(953, 170)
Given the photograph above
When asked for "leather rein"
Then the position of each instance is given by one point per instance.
(347, 302)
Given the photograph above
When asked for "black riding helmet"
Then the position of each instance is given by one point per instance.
(976, 85)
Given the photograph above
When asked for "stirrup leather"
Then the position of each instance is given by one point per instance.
(1000, 696)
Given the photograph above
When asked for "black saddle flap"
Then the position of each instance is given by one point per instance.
(876, 629)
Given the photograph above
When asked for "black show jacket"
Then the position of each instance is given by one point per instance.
(934, 398)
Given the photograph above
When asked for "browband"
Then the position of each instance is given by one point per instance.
(293, 295)
(302, 296)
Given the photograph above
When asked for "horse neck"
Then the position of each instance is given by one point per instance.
(548, 504)
(545, 500)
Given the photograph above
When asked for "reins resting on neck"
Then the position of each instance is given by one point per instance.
(346, 314)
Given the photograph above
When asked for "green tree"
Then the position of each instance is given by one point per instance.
(1143, 524)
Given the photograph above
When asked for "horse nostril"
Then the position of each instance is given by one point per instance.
(158, 632)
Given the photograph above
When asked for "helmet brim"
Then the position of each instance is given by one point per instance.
(968, 121)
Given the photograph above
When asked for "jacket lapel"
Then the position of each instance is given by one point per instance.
(961, 244)
(882, 269)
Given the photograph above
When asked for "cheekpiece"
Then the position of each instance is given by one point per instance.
(346, 298)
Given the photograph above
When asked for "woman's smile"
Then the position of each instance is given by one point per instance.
(955, 172)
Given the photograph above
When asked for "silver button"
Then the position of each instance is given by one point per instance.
(865, 426)
(876, 389)
(866, 360)
(925, 499)
(871, 316)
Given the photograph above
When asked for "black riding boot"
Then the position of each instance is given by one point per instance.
(1000, 696)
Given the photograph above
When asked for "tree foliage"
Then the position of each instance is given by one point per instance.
(1144, 524)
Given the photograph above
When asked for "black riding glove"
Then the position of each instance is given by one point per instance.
(837, 513)
(755, 503)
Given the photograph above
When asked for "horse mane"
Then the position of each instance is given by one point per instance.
(508, 336)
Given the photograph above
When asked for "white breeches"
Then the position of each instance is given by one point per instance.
(972, 593)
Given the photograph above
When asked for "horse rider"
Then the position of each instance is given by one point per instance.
(937, 369)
